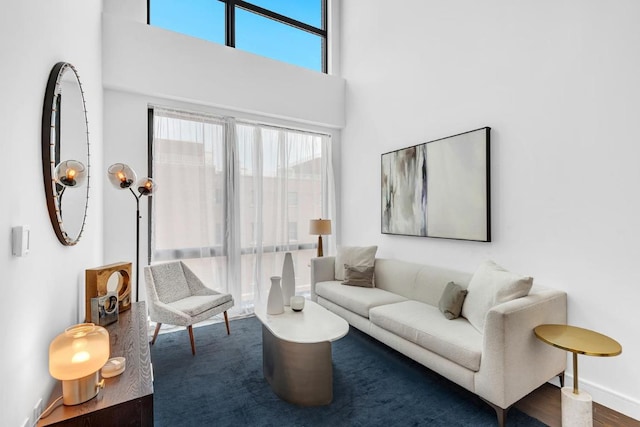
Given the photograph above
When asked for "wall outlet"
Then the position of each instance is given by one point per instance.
(37, 410)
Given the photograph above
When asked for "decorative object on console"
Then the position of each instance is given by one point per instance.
(320, 227)
(65, 107)
(123, 177)
(288, 279)
(275, 302)
(363, 256)
(76, 357)
(114, 367)
(104, 309)
(98, 282)
(297, 302)
(439, 188)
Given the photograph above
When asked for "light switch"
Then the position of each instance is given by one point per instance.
(20, 240)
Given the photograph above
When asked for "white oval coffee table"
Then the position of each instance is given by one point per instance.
(296, 352)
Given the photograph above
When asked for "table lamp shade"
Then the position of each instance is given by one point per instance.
(320, 227)
(79, 351)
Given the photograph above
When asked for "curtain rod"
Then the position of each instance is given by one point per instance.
(241, 121)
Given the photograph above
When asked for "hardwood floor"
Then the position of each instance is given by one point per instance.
(544, 404)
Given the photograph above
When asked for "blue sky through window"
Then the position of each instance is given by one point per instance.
(205, 19)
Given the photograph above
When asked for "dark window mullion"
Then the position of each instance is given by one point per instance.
(230, 24)
(325, 40)
(280, 18)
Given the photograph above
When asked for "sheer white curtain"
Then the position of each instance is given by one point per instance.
(286, 180)
(235, 197)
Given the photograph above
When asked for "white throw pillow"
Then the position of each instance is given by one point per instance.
(361, 256)
(489, 286)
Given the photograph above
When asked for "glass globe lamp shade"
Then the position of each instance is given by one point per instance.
(146, 186)
(76, 357)
(121, 176)
(70, 173)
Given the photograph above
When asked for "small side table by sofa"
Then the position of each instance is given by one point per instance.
(576, 404)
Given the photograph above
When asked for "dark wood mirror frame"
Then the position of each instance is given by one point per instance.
(51, 149)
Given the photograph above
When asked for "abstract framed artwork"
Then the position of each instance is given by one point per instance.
(439, 188)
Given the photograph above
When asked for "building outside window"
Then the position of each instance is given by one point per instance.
(236, 238)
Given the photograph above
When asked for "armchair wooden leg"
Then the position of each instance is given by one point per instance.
(561, 377)
(155, 334)
(226, 321)
(193, 343)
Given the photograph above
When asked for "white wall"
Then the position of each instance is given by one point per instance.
(143, 59)
(40, 292)
(558, 83)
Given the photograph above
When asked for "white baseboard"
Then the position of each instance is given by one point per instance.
(611, 399)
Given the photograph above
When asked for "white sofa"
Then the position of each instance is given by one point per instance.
(501, 364)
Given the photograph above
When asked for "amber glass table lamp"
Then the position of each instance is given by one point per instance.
(76, 357)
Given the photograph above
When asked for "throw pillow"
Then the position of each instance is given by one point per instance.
(450, 303)
(489, 286)
(354, 255)
(358, 275)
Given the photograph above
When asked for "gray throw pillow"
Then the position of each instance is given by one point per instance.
(354, 255)
(451, 300)
(358, 275)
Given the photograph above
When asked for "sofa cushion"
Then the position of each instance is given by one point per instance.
(355, 275)
(451, 300)
(198, 304)
(489, 286)
(424, 325)
(354, 298)
(354, 255)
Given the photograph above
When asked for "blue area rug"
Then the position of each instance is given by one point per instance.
(223, 385)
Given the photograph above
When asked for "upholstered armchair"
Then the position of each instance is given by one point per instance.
(176, 296)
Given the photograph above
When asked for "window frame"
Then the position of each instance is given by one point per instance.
(230, 23)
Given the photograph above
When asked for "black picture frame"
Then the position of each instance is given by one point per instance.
(440, 188)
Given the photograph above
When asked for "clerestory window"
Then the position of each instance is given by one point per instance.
(290, 31)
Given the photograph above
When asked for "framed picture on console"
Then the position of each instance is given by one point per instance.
(439, 188)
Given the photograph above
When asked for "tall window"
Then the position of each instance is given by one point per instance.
(273, 181)
(286, 30)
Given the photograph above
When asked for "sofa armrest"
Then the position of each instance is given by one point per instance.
(514, 362)
(322, 270)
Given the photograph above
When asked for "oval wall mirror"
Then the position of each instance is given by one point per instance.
(65, 153)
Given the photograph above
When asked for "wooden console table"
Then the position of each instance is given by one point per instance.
(127, 399)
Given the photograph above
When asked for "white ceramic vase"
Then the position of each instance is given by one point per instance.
(288, 279)
(275, 303)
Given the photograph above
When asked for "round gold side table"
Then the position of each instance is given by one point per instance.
(576, 404)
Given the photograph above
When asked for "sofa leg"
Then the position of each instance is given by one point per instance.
(561, 377)
(500, 413)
